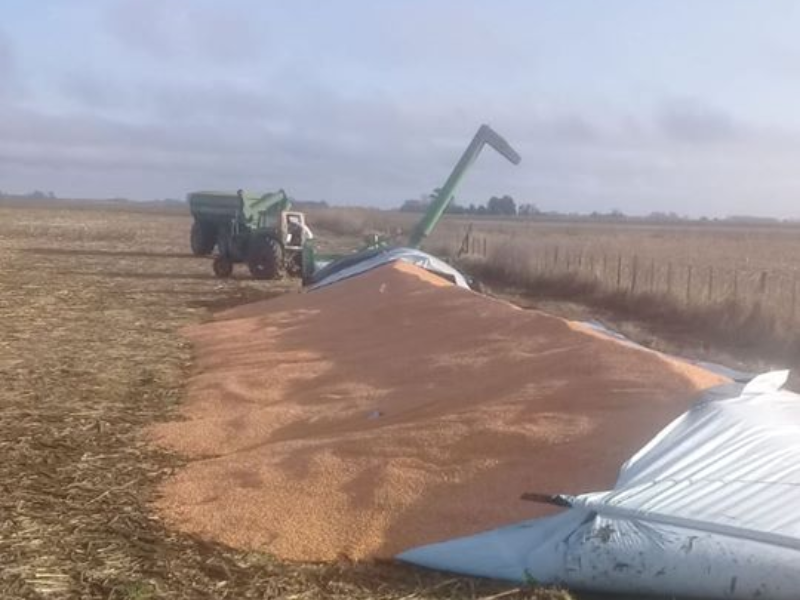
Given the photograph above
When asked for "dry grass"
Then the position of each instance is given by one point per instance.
(91, 303)
(733, 287)
(355, 222)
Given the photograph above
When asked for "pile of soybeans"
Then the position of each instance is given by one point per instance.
(394, 409)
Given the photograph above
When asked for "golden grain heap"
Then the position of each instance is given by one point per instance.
(394, 409)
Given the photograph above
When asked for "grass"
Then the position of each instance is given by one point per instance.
(91, 306)
(734, 288)
(356, 222)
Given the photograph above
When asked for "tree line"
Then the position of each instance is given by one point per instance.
(496, 205)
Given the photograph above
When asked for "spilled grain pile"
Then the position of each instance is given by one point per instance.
(394, 409)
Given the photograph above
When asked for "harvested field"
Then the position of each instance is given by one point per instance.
(395, 409)
(91, 302)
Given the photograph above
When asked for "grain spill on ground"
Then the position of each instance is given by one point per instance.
(91, 303)
(394, 409)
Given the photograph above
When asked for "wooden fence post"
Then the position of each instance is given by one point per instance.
(652, 275)
(669, 278)
(762, 283)
(634, 273)
(619, 271)
(710, 284)
(689, 285)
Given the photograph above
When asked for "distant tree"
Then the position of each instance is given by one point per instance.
(501, 206)
(663, 216)
(413, 205)
(528, 210)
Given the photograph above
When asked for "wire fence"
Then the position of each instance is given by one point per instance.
(772, 292)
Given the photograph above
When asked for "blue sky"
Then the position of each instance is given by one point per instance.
(690, 106)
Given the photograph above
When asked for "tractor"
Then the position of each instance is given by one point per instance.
(260, 231)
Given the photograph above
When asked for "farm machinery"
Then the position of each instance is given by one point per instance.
(264, 233)
(260, 231)
(316, 268)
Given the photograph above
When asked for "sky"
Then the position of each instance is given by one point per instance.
(687, 106)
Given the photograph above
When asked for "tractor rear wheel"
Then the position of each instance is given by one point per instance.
(203, 238)
(265, 259)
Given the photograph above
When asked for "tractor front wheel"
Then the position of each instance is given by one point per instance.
(265, 259)
(222, 267)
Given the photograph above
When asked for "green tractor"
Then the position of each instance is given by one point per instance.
(272, 240)
(260, 231)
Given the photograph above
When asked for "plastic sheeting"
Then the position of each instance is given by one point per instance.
(709, 508)
(410, 255)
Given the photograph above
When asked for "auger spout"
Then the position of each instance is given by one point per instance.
(485, 135)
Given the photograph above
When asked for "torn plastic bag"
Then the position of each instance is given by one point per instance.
(709, 508)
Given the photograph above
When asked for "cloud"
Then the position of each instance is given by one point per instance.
(165, 31)
(365, 104)
(689, 120)
(9, 80)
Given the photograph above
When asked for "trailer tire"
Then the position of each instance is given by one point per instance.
(265, 259)
(203, 238)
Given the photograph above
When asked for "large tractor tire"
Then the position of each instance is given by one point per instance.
(203, 238)
(265, 259)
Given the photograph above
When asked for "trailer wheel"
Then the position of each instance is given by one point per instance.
(203, 238)
(222, 267)
(265, 259)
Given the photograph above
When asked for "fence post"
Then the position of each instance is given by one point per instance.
(762, 283)
(652, 275)
(669, 278)
(619, 271)
(484, 246)
(634, 273)
(710, 284)
(689, 285)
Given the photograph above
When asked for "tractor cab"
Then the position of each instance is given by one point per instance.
(294, 230)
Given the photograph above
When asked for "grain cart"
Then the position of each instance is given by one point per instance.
(260, 231)
(317, 267)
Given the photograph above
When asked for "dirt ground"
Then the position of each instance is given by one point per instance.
(91, 303)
